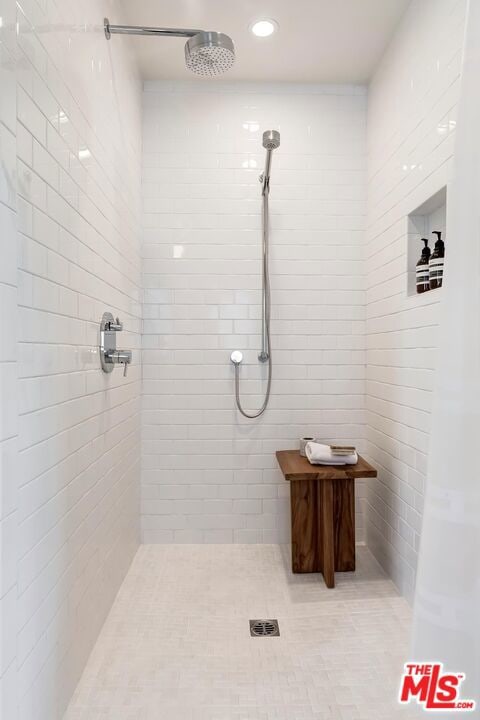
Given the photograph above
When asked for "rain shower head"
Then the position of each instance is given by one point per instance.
(206, 52)
(271, 139)
(209, 53)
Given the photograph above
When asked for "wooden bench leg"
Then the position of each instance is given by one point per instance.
(344, 524)
(303, 506)
(327, 538)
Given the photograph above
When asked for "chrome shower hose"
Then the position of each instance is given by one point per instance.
(266, 350)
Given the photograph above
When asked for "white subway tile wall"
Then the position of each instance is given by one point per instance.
(208, 474)
(411, 124)
(8, 365)
(75, 493)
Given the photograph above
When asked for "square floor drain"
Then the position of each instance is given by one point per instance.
(264, 628)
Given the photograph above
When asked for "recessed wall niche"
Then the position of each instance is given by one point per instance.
(422, 221)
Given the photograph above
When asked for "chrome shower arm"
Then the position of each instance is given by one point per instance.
(141, 30)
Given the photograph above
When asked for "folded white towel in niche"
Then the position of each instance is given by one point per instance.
(318, 454)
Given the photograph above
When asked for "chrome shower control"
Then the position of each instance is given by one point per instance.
(236, 357)
(119, 357)
(109, 355)
(115, 325)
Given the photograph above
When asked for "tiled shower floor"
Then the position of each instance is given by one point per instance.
(176, 645)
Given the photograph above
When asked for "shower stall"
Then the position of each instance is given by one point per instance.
(140, 508)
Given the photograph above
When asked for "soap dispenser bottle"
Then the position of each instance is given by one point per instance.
(422, 269)
(436, 262)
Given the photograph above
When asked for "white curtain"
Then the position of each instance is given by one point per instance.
(447, 604)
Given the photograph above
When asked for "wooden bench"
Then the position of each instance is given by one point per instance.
(322, 506)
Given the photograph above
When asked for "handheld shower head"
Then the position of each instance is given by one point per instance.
(271, 139)
(209, 53)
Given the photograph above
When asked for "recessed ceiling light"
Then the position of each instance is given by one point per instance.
(263, 28)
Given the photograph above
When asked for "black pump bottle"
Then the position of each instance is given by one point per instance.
(422, 269)
(437, 260)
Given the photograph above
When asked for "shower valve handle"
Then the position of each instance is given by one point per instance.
(117, 325)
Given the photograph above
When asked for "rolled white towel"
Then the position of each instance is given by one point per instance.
(318, 454)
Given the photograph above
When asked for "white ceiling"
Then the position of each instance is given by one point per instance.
(317, 40)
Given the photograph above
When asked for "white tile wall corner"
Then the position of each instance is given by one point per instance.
(8, 366)
(411, 122)
(76, 500)
(209, 475)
